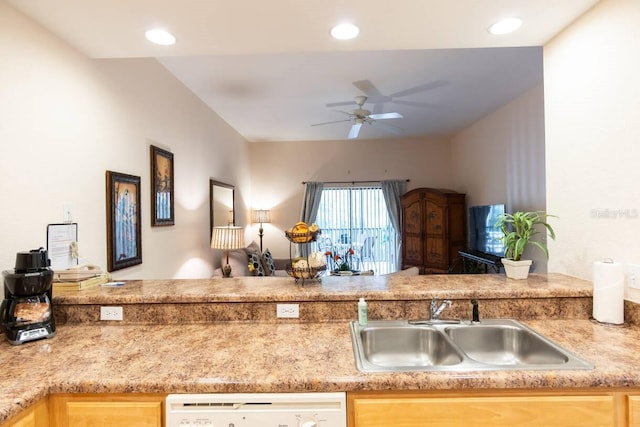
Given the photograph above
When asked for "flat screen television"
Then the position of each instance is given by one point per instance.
(484, 236)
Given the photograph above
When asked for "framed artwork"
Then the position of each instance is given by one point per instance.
(124, 234)
(161, 187)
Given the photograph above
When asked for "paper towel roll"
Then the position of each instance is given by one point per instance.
(608, 292)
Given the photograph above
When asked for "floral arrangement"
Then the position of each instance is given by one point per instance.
(341, 263)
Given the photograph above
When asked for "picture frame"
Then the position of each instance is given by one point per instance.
(221, 204)
(162, 187)
(124, 231)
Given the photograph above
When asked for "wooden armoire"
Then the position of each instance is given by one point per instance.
(433, 230)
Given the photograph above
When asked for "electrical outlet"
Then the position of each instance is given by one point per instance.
(632, 276)
(111, 313)
(288, 311)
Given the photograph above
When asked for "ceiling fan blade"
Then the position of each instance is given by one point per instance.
(385, 116)
(391, 128)
(328, 123)
(340, 104)
(420, 88)
(418, 104)
(355, 130)
(368, 88)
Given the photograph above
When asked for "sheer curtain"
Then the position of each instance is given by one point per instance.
(310, 203)
(392, 190)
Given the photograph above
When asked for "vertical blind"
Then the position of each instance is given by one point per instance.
(348, 215)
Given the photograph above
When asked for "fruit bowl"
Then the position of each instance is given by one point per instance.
(302, 237)
(305, 273)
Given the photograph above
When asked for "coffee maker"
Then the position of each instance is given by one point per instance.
(26, 311)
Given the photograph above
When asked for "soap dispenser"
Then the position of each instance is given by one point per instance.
(362, 312)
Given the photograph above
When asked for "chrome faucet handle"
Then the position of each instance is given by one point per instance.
(436, 310)
(433, 306)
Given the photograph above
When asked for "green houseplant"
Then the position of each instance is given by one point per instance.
(518, 229)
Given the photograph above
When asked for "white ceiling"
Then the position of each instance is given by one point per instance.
(271, 70)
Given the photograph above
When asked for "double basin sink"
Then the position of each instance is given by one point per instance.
(489, 345)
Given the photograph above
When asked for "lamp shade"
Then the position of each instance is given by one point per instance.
(227, 238)
(261, 216)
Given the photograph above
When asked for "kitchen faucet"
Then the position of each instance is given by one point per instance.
(436, 310)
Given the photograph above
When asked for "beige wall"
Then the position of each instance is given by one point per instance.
(66, 119)
(592, 112)
(279, 168)
(500, 159)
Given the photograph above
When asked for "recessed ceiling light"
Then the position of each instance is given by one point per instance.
(505, 26)
(345, 31)
(159, 36)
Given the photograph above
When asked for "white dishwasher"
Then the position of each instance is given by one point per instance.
(257, 410)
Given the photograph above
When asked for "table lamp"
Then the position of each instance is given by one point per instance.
(261, 216)
(226, 239)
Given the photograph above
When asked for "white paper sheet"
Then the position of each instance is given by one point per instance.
(60, 241)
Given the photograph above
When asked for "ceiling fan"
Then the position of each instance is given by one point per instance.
(379, 99)
(360, 116)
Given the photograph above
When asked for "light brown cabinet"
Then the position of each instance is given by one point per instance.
(532, 408)
(107, 410)
(37, 415)
(433, 230)
(633, 403)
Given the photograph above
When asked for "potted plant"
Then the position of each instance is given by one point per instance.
(518, 228)
(341, 264)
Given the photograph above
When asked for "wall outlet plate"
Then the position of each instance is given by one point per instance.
(111, 313)
(67, 212)
(288, 311)
(632, 276)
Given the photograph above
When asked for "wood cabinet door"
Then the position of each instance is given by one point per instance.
(436, 252)
(412, 233)
(457, 222)
(436, 218)
(103, 414)
(413, 250)
(530, 411)
(35, 416)
(413, 217)
(107, 410)
(25, 419)
(634, 411)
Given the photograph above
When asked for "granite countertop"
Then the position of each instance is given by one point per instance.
(283, 355)
(332, 288)
(273, 357)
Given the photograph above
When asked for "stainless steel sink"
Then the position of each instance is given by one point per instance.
(493, 344)
(399, 346)
(506, 345)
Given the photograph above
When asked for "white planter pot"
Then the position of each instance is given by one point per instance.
(516, 269)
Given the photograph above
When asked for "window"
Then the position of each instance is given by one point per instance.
(356, 217)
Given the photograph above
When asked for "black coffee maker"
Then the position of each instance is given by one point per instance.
(26, 310)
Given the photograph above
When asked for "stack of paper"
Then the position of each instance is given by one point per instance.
(79, 278)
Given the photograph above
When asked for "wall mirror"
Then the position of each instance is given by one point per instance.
(221, 204)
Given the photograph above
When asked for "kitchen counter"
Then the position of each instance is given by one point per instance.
(269, 357)
(332, 288)
(389, 297)
(283, 355)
